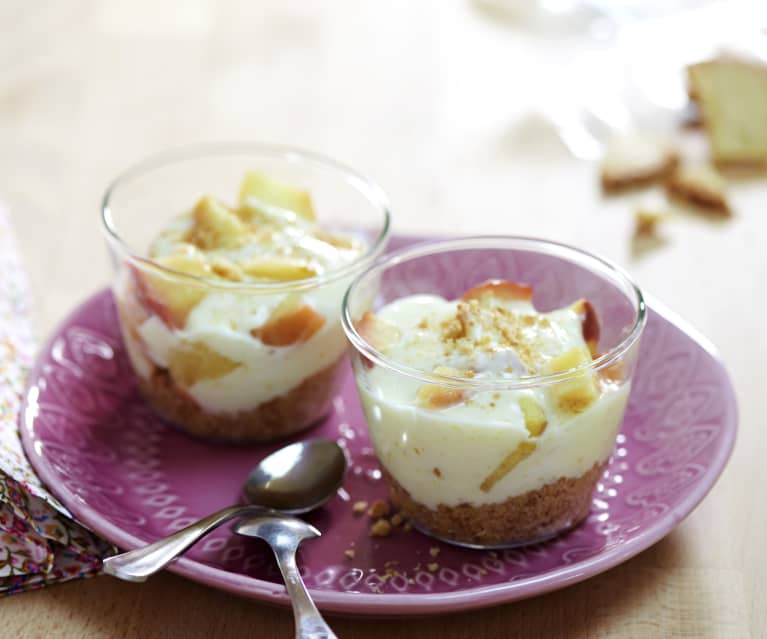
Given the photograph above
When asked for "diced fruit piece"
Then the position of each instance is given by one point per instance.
(226, 269)
(257, 187)
(378, 332)
(574, 395)
(338, 241)
(215, 226)
(168, 297)
(279, 269)
(190, 261)
(535, 418)
(614, 372)
(435, 396)
(449, 371)
(521, 452)
(499, 289)
(589, 324)
(192, 362)
(290, 327)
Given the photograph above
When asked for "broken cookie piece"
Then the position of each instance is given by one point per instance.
(732, 97)
(701, 186)
(633, 160)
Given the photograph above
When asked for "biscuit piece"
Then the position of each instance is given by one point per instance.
(634, 160)
(646, 222)
(732, 97)
(701, 186)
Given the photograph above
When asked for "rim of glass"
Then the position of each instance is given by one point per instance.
(539, 245)
(363, 184)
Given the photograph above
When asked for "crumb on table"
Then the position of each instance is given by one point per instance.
(646, 222)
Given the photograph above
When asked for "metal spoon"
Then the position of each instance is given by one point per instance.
(293, 480)
(284, 534)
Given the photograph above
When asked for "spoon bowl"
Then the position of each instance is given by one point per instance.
(295, 479)
(270, 527)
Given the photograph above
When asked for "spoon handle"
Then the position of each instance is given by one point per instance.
(138, 564)
(308, 620)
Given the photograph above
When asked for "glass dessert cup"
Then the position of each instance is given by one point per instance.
(206, 353)
(471, 470)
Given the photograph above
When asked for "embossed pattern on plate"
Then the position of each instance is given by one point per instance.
(132, 478)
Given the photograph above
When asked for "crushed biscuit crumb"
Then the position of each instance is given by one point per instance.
(397, 519)
(359, 507)
(381, 528)
(379, 508)
(434, 551)
(349, 553)
(437, 472)
(432, 567)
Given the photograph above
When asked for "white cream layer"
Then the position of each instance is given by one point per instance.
(222, 321)
(442, 456)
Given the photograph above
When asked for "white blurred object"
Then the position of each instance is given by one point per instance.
(640, 83)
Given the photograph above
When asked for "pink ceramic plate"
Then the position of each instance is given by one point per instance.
(132, 479)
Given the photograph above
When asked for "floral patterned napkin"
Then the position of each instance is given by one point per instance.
(40, 544)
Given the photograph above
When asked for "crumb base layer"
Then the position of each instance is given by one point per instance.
(524, 519)
(296, 410)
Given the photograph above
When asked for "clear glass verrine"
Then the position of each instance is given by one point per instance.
(472, 470)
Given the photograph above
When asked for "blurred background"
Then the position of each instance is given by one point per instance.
(475, 116)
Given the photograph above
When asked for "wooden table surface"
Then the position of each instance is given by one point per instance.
(439, 102)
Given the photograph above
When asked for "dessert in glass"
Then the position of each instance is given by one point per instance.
(494, 374)
(231, 264)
